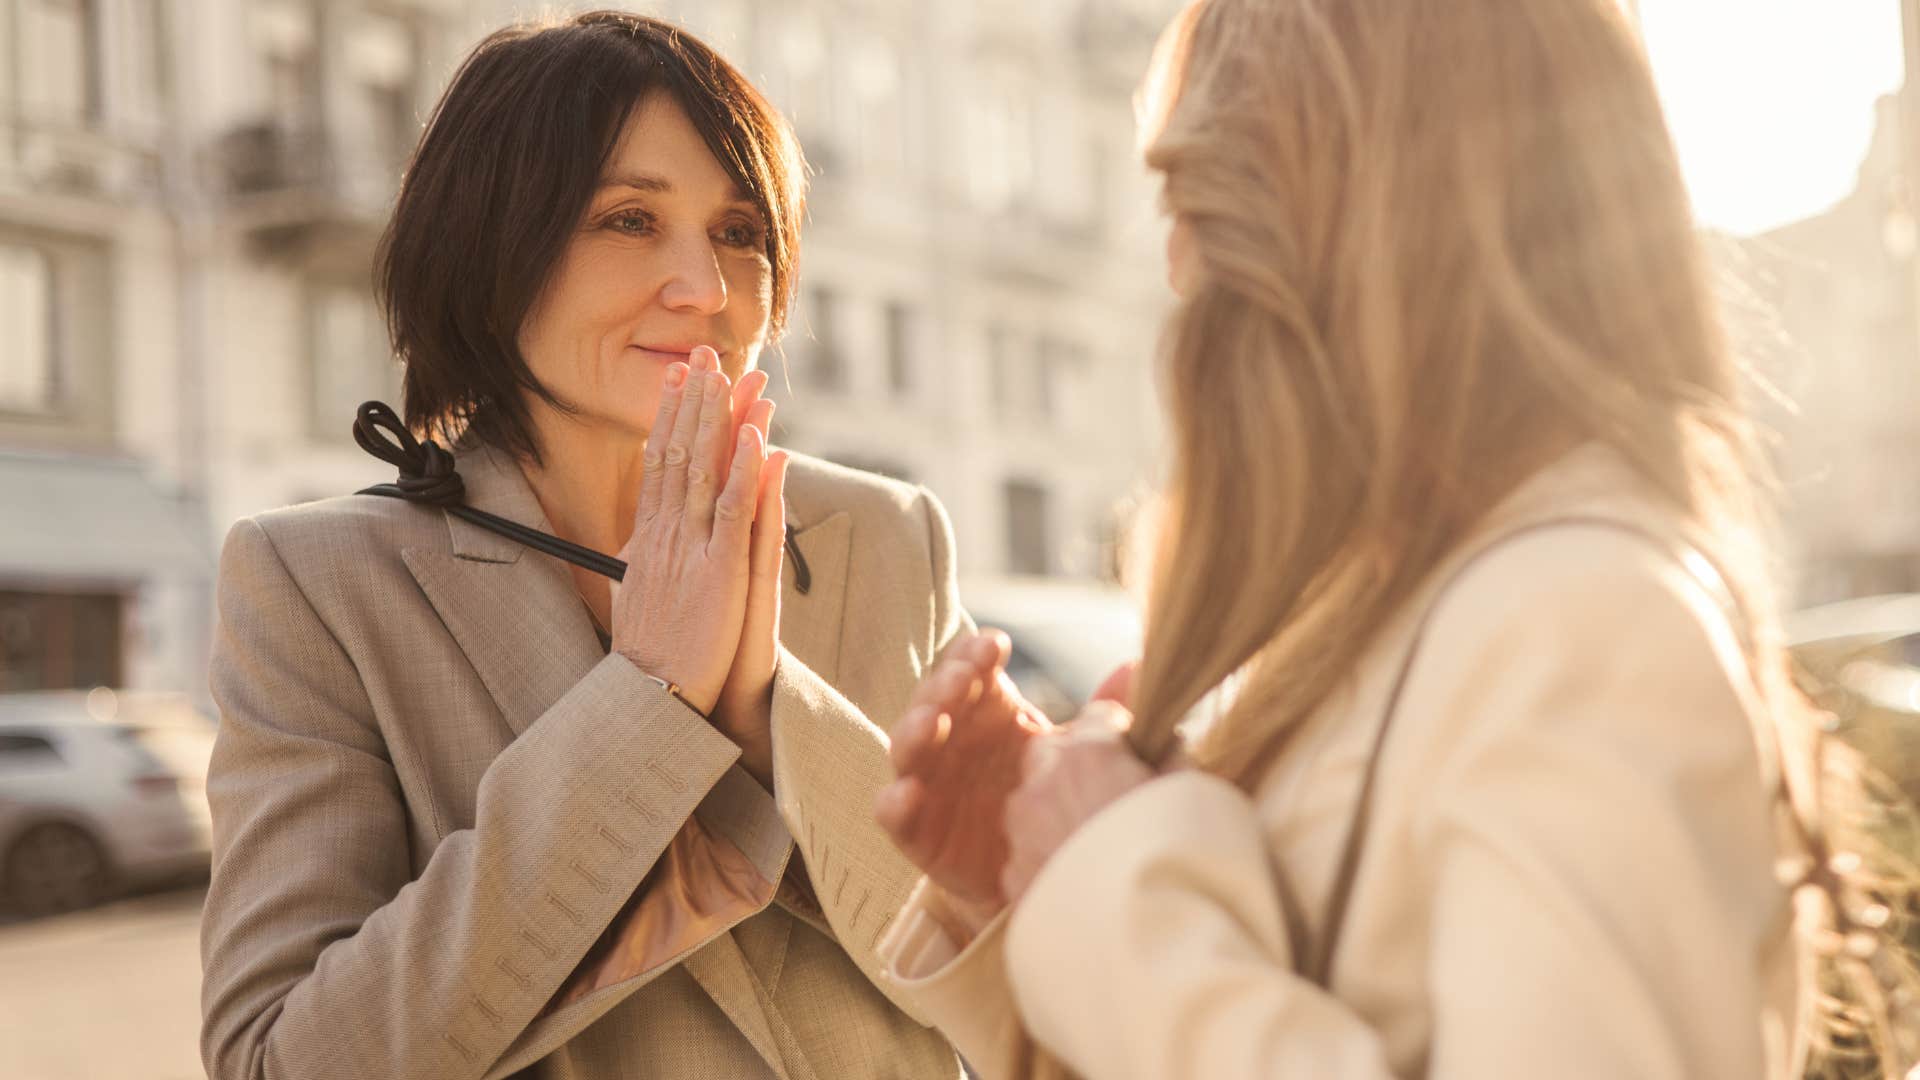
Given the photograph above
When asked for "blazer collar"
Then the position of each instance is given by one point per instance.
(524, 628)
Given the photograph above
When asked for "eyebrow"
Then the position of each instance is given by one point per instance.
(660, 186)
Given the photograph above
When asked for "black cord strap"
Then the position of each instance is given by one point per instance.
(427, 477)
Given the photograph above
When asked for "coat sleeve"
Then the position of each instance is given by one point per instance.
(323, 954)
(960, 986)
(830, 760)
(1581, 788)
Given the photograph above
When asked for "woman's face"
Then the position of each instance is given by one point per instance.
(670, 255)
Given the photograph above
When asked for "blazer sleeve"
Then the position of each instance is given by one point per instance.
(1589, 823)
(830, 760)
(323, 954)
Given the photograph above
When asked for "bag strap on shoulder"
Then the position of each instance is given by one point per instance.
(1318, 962)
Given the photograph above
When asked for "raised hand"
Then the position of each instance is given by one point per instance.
(679, 612)
(744, 710)
(1065, 780)
(958, 752)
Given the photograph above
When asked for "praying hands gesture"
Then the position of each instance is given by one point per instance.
(700, 604)
(988, 790)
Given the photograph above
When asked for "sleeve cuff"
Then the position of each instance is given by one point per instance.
(960, 989)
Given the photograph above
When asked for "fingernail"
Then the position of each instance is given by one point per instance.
(746, 436)
(676, 374)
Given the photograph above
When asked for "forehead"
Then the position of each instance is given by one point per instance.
(659, 142)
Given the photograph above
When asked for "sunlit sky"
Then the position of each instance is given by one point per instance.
(1771, 101)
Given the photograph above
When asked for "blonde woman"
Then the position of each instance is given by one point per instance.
(1460, 514)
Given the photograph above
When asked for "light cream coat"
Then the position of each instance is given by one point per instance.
(432, 793)
(1567, 874)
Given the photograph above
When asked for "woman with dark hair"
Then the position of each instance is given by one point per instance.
(479, 811)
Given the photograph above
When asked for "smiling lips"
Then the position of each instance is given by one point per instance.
(668, 355)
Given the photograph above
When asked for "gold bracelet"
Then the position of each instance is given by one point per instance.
(674, 689)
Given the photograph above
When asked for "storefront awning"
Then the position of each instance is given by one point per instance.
(93, 519)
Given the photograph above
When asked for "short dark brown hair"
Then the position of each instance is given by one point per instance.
(502, 177)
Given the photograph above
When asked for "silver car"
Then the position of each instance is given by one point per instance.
(98, 791)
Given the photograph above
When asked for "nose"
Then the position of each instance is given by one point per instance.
(694, 281)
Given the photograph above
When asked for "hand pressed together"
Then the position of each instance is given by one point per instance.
(700, 604)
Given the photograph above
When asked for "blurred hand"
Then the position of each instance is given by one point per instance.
(1066, 779)
(1117, 687)
(958, 752)
(680, 612)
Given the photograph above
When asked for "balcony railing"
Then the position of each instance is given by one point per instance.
(72, 159)
(292, 185)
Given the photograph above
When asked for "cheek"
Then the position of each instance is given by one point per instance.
(750, 289)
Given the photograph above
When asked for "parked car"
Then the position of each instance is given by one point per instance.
(99, 791)
(1067, 636)
(1860, 659)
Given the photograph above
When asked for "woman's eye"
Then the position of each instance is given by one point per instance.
(741, 235)
(631, 223)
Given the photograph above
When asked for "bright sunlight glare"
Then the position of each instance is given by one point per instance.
(1771, 101)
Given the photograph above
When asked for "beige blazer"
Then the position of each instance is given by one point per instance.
(1567, 872)
(435, 803)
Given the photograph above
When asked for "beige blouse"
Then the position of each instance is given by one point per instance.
(1568, 870)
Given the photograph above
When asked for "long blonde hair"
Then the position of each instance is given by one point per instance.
(1440, 243)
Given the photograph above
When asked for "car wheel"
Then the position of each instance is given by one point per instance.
(53, 868)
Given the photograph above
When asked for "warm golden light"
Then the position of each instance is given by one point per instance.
(1771, 101)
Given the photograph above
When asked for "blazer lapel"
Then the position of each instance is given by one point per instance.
(810, 622)
(513, 611)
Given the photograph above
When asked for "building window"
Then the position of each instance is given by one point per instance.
(350, 360)
(55, 49)
(875, 122)
(1052, 360)
(285, 34)
(60, 640)
(29, 347)
(1001, 133)
(826, 363)
(1064, 186)
(801, 57)
(1028, 375)
(1000, 365)
(383, 55)
(900, 349)
(1029, 548)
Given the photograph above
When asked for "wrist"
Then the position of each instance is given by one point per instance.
(748, 723)
(704, 704)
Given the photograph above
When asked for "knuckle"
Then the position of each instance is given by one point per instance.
(729, 510)
(699, 474)
(677, 456)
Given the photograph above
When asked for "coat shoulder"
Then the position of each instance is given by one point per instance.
(817, 489)
(339, 539)
(1586, 582)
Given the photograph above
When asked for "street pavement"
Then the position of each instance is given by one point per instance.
(107, 994)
